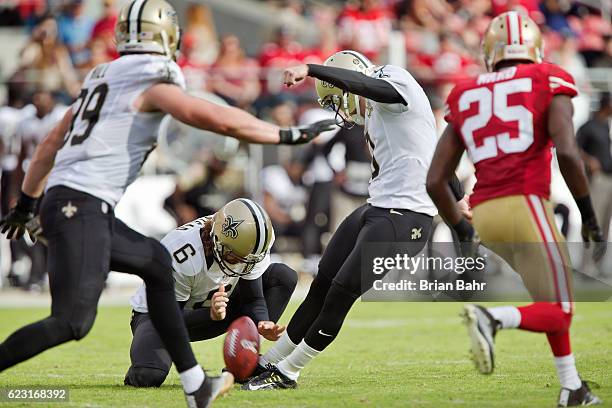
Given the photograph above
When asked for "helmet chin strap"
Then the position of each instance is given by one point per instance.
(358, 117)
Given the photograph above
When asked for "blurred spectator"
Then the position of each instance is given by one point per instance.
(234, 76)
(449, 64)
(35, 125)
(75, 30)
(200, 31)
(203, 198)
(529, 7)
(282, 111)
(350, 159)
(319, 176)
(104, 29)
(568, 57)
(365, 26)
(196, 74)
(595, 141)
(554, 12)
(605, 59)
(282, 52)
(285, 197)
(98, 54)
(45, 63)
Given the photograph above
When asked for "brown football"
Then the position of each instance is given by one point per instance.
(241, 348)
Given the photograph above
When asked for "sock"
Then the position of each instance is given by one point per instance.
(281, 349)
(543, 317)
(293, 364)
(567, 373)
(560, 343)
(192, 379)
(508, 316)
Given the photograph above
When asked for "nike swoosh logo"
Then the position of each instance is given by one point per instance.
(324, 334)
(395, 212)
(257, 387)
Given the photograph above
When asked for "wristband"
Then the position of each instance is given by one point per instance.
(289, 136)
(26, 203)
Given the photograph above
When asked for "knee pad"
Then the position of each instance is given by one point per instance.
(145, 377)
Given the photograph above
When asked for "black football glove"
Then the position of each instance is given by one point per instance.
(14, 225)
(304, 134)
(592, 233)
(590, 228)
(469, 241)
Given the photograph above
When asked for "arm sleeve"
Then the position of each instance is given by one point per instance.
(357, 83)
(456, 187)
(254, 303)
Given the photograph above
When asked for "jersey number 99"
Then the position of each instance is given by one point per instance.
(89, 112)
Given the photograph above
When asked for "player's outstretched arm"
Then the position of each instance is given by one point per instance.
(347, 80)
(561, 130)
(225, 120)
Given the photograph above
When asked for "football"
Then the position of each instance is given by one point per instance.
(241, 348)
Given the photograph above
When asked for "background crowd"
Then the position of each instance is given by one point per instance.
(306, 191)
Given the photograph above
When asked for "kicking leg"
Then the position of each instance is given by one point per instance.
(334, 256)
(380, 226)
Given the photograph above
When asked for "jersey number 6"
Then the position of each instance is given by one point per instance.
(496, 104)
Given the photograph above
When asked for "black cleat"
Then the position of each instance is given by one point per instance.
(580, 397)
(270, 379)
(211, 388)
(259, 369)
(482, 328)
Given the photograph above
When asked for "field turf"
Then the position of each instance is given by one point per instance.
(387, 355)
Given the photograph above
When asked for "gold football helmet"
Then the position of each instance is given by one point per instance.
(344, 103)
(242, 235)
(512, 37)
(148, 26)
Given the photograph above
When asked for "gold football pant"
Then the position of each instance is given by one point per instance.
(521, 229)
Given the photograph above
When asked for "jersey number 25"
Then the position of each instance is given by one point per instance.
(495, 103)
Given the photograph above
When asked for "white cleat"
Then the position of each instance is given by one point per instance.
(482, 328)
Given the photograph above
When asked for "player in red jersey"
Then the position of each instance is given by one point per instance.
(508, 120)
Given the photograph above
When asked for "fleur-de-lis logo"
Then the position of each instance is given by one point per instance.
(69, 210)
(230, 227)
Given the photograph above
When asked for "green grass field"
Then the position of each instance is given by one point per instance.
(387, 355)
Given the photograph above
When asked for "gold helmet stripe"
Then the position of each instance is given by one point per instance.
(134, 24)
(258, 226)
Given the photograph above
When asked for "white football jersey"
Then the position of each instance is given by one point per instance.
(194, 281)
(109, 140)
(402, 139)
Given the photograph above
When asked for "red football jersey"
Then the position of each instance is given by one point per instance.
(501, 118)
